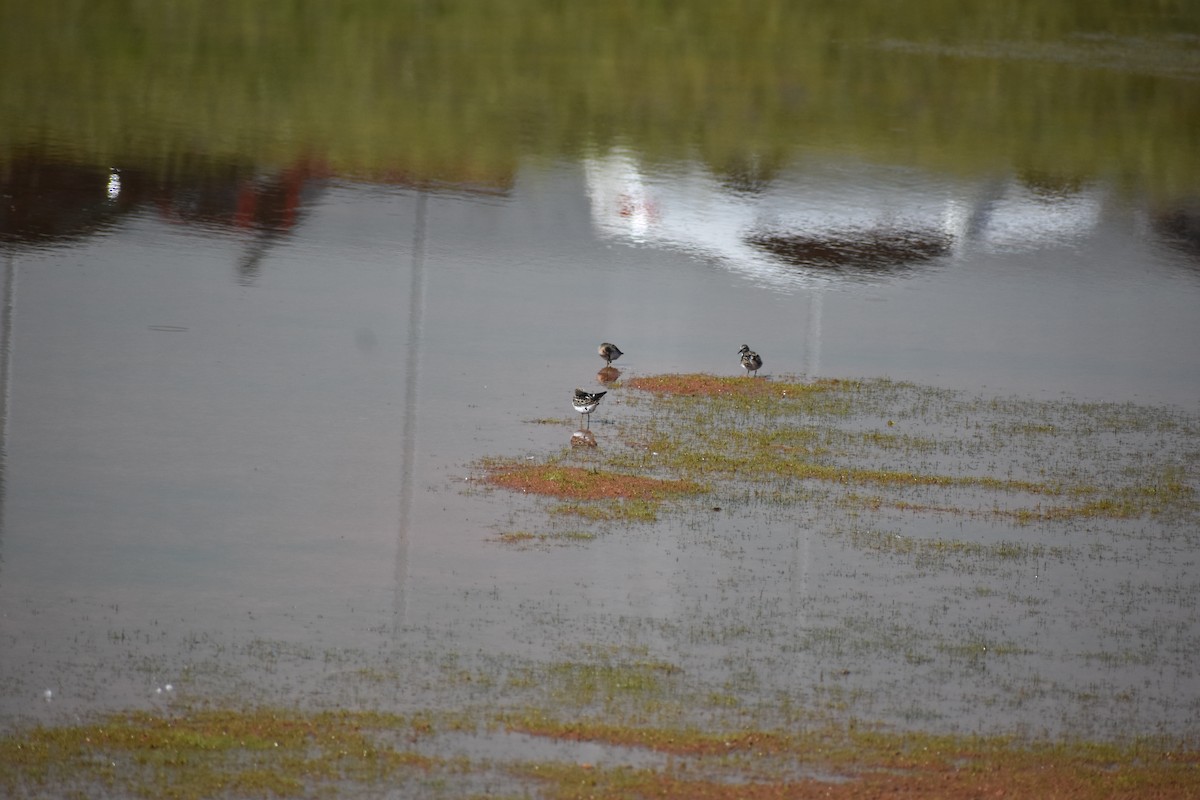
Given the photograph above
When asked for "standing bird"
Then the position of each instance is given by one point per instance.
(586, 402)
(751, 360)
(610, 353)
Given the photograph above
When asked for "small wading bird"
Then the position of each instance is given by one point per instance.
(610, 352)
(751, 360)
(585, 403)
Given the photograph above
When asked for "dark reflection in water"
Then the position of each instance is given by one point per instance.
(266, 206)
(1179, 228)
(1049, 186)
(749, 176)
(239, 199)
(869, 250)
(50, 202)
(53, 202)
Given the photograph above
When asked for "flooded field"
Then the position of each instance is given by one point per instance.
(295, 499)
(813, 580)
(902, 552)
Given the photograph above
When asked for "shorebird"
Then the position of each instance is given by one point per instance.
(610, 352)
(586, 402)
(751, 360)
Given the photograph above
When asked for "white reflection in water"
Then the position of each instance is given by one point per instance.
(114, 185)
(825, 225)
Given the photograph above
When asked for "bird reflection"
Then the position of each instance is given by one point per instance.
(583, 438)
(608, 374)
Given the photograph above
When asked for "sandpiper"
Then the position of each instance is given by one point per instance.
(751, 360)
(610, 352)
(586, 402)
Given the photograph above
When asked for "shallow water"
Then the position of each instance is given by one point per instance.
(198, 460)
(241, 412)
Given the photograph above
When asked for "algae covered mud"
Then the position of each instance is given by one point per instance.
(748, 587)
(280, 753)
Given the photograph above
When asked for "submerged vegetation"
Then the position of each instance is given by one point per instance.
(955, 506)
(873, 445)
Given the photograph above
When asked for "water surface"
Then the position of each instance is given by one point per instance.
(252, 350)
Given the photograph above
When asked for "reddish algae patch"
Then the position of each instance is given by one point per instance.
(576, 483)
(887, 765)
(674, 742)
(1043, 780)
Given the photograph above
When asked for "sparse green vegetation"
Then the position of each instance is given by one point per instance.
(635, 510)
(212, 753)
(561, 537)
(927, 549)
(284, 753)
(726, 433)
(576, 483)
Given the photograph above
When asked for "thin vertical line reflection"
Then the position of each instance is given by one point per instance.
(812, 340)
(803, 553)
(408, 423)
(6, 336)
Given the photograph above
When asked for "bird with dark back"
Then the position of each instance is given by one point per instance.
(751, 361)
(585, 403)
(609, 352)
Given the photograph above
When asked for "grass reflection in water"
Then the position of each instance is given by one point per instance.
(462, 91)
